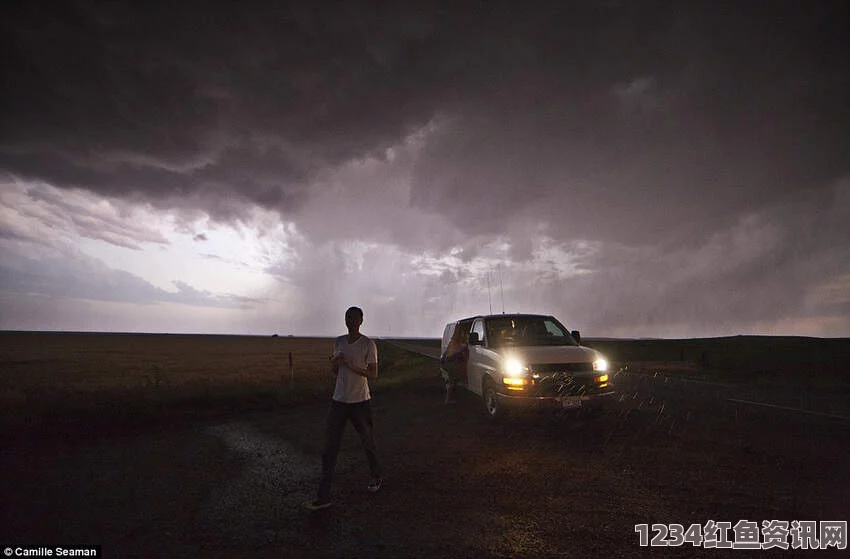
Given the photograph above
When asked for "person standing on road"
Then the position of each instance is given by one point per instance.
(353, 362)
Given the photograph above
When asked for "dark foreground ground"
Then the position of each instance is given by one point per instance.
(456, 485)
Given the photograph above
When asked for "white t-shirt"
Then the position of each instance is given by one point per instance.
(351, 387)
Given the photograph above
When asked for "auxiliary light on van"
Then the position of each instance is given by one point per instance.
(514, 370)
(514, 383)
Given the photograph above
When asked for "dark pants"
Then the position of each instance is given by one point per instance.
(360, 415)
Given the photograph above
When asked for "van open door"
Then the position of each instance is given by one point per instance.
(455, 352)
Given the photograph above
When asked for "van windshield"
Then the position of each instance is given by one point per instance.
(527, 331)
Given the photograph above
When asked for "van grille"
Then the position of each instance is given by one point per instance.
(562, 379)
(562, 367)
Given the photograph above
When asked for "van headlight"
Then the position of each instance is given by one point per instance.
(600, 364)
(514, 367)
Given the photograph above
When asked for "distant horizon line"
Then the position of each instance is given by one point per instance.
(437, 337)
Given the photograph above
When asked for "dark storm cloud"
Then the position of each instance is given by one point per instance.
(43, 215)
(642, 164)
(753, 274)
(613, 106)
(651, 120)
(235, 101)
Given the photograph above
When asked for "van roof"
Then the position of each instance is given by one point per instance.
(503, 315)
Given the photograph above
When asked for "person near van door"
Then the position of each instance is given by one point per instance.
(354, 361)
(454, 361)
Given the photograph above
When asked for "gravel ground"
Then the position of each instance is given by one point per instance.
(456, 484)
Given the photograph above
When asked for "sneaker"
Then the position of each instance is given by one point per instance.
(374, 484)
(317, 504)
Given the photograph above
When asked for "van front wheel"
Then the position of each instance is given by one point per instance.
(492, 406)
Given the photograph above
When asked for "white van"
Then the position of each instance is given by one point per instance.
(523, 360)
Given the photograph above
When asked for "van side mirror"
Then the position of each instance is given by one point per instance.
(473, 338)
(576, 336)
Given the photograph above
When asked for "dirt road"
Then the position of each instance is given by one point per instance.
(456, 484)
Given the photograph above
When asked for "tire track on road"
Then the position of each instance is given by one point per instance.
(275, 479)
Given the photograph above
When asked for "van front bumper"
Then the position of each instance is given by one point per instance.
(555, 402)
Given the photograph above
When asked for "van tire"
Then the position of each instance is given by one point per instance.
(492, 407)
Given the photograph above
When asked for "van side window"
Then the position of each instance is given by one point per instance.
(478, 326)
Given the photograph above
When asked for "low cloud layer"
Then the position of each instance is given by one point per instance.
(642, 169)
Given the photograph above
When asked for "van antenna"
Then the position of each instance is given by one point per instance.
(501, 288)
(490, 299)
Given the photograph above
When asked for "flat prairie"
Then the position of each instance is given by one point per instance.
(792, 362)
(92, 362)
(44, 374)
(210, 464)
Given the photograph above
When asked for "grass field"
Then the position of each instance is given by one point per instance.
(47, 378)
(786, 361)
(214, 452)
(783, 361)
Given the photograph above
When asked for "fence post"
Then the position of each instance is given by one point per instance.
(291, 373)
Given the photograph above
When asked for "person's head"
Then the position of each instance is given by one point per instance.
(353, 318)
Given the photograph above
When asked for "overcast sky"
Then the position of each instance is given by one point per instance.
(669, 169)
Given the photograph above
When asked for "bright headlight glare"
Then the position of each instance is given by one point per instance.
(514, 367)
(600, 365)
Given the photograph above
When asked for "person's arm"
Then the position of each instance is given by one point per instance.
(371, 370)
(336, 359)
